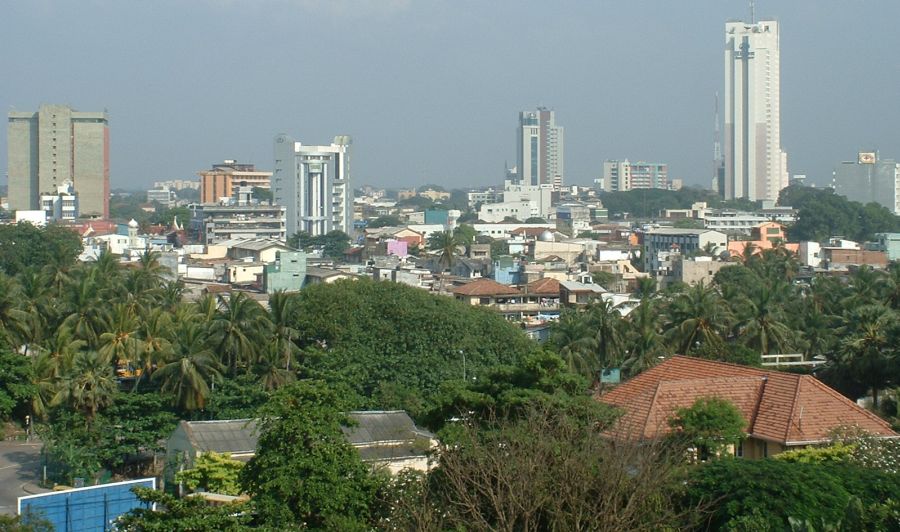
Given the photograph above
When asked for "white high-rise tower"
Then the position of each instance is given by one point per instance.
(539, 149)
(755, 164)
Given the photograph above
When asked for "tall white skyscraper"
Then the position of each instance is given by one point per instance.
(539, 149)
(755, 164)
(313, 183)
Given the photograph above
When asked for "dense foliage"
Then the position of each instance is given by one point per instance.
(766, 494)
(822, 214)
(754, 308)
(26, 246)
(304, 471)
(709, 426)
(378, 337)
(648, 203)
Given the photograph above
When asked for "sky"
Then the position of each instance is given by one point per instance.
(430, 90)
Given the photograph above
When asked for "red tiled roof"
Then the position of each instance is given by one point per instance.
(545, 286)
(787, 408)
(486, 287)
(529, 231)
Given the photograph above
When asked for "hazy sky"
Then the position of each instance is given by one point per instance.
(430, 89)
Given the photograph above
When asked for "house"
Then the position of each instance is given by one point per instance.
(384, 439)
(487, 292)
(661, 244)
(767, 235)
(783, 411)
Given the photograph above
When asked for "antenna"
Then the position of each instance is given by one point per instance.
(752, 12)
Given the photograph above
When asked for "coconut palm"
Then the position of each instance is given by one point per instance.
(575, 342)
(282, 310)
(445, 243)
(187, 374)
(84, 311)
(88, 386)
(698, 317)
(606, 322)
(119, 343)
(14, 322)
(153, 333)
(271, 375)
(239, 330)
(869, 348)
(646, 345)
(764, 326)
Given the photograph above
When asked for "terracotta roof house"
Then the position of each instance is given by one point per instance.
(547, 287)
(474, 291)
(782, 410)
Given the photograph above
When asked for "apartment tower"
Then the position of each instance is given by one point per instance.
(539, 149)
(755, 164)
(56, 145)
(313, 183)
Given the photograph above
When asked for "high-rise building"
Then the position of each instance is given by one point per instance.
(870, 179)
(539, 149)
(220, 181)
(313, 182)
(55, 145)
(755, 164)
(621, 176)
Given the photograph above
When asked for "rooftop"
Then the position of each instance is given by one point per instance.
(485, 287)
(787, 408)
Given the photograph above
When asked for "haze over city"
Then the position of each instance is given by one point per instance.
(430, 91)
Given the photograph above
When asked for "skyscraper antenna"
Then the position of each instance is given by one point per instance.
(752, 12)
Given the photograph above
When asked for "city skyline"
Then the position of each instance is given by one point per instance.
(442, 84)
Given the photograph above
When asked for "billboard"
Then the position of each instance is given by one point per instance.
(866, 157)
(89, 509)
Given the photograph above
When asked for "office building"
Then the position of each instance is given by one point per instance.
(661, 245)
(870, 179)
(240, 217)
(755, 164)
(220, 181)
(313, 183)
(162, 195)
(621, 176)
(539, 149)
(61, 206)
(54, 145)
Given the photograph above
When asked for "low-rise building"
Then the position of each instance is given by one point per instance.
(661, 244)
(239, 218)
(889, 243)
(62, 206)
(287, 272)
(843, 258)
(783, 410)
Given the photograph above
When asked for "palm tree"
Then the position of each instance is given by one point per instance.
(89, 386)
(120, 343)
(84, 312)
(190, 368)
(764, 325)
(698, 317)
(14, 322)
(282, 309)
(238, 331)
(869, 346)
(606, 321)
(446, 243)
(646, 346)
(153, 334)
(271, 375)
(575, 342)
(646, 287)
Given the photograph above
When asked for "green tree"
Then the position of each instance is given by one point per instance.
(446, 243)
(16, 386)
(213, 472)
(575, 341)
(304, 471)
(238, 331)
(868, 349)
(89, 386)
(190, 514)
(696, 318)
(385, 221)
(709, 426)
(26, 246)
(190, 370)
